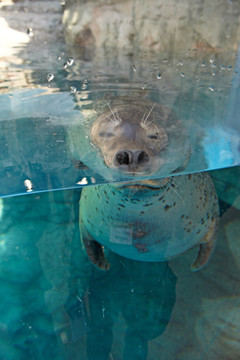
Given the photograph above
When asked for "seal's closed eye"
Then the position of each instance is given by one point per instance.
(154, 137)
(105, 134)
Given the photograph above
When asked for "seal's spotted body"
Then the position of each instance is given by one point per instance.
(151, 222)
(148, 220)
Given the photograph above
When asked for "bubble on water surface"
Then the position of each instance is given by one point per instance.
(28, 185)
(70, 61)
(134, 68)
(159, 76)
(182, 74)
(73, 89)
(50, 77)
(84, 181)
(211, 87)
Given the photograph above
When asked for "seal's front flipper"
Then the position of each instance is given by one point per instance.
(94, 250)
(206, 247)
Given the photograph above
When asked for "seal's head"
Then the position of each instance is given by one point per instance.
(134, 138)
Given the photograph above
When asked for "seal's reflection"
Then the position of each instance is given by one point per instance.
(143, 293)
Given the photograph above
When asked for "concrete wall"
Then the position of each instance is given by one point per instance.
(154, 24)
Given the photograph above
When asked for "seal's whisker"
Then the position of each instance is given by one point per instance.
(145, 120)
(178, 195)
(149, 122)
(114, 115)
(112, 120)
(174, 190)
(118, 117)
(176, 182)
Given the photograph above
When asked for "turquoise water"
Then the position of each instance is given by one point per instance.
(54, 303)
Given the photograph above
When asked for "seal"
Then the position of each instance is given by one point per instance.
(138, 137)
(147, 220)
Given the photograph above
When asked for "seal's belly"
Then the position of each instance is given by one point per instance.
(150, 223)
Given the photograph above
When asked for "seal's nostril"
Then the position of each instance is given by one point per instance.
(123, 158)
(126, 157)
(142, 157)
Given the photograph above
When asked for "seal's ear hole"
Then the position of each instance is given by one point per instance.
(106, 134)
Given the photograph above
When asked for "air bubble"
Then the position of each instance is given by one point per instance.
(134, 68)
(84, 86)
(62, 2)
(159, 76)
(182, 74)
(28, 184)
(211, 60)
(222, 67)
(84, 181)
(229, 67)
(50, 77)
(211, 88)
(203, 64)
(70, 61)
(73, 89)
(65, 65)
(144, 86)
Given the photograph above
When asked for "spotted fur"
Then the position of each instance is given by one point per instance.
(151, 223)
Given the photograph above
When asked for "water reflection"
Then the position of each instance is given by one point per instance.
(70, 101)
(140, 295)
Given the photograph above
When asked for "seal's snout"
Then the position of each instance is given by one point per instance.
(127, 157)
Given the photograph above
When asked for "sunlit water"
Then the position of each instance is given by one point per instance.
(54, 303)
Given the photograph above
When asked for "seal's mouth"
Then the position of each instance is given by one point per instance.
(148, 184)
